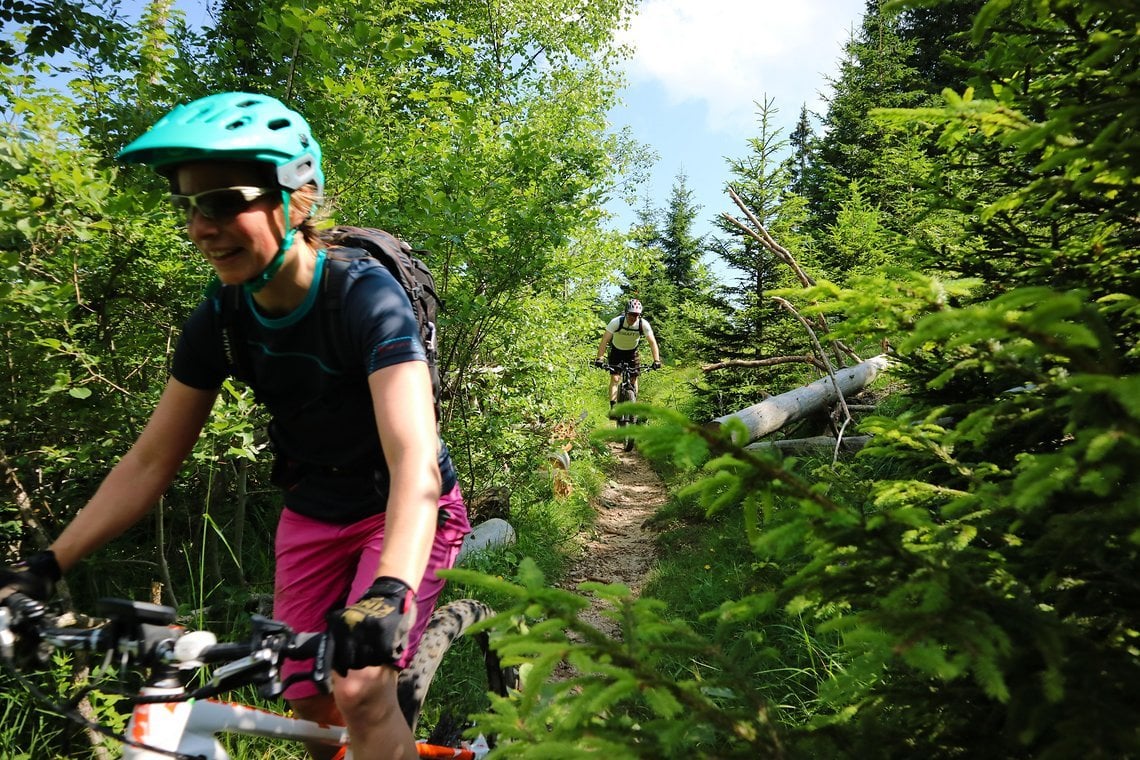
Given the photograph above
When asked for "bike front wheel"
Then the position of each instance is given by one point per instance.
(628, 419)
(447, 624)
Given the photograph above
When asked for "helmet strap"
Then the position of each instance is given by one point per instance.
(254, 284)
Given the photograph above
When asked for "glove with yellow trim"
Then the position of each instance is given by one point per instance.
(374, 630)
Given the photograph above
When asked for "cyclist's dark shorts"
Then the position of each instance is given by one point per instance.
(630, 357)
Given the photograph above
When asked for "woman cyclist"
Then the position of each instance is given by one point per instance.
(371, 503)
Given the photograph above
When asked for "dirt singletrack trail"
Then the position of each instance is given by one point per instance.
(619, 548)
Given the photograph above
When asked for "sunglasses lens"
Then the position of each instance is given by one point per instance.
(222, 203)
(180, 203)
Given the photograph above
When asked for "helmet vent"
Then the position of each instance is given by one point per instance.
(279, 124)
(238, 123)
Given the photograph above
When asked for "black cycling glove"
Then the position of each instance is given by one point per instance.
(35, 576)
(599, 363)
(374, 631)
(656, 365)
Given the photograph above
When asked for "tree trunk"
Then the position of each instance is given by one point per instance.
(773, 413)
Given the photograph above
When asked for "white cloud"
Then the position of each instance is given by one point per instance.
(729, 54)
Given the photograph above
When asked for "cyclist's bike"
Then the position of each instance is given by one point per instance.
(175, 714)
(627, 391)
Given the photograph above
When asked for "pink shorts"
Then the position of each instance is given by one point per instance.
(322, 565)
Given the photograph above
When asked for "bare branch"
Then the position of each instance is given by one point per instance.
(769, 362)
(30, 520)
(830, 372)
(23, 503)
(761, 235)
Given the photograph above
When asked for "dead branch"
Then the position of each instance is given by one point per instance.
(818, 350)
(771, 361)
(762, 236)
(830, 373)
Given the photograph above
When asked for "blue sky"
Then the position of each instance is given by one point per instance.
(699, 68)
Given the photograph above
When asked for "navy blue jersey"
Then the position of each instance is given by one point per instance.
(323, 425)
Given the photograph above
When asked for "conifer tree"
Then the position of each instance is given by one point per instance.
(802, 142)
(758, 327)
(875, 72)
(681, 250)
(670, 279)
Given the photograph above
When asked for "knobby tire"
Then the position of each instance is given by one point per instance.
(627, 419)
(447, 624)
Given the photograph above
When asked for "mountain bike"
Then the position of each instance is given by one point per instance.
(627, 391)
(176, 713)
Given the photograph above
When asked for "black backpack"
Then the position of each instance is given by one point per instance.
(396, 255)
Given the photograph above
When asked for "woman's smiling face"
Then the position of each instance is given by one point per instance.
(239, 246)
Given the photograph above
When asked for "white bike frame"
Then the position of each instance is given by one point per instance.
(168, 722)
(191, 727)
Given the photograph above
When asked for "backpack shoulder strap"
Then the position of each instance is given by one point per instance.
(334, 282)
(336, 270)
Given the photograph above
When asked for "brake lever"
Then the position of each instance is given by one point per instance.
(244, 669)
(322, 664)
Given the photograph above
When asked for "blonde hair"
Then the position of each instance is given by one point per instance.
(306, 210)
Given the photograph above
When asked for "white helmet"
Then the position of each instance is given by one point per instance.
(633, 307)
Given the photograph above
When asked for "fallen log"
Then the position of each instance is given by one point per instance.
(813, 443)
(773, 413)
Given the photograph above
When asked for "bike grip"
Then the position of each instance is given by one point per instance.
(307, 645)
(225, 652)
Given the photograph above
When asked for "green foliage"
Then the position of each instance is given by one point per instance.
(481, 137)
(622, 697)
(963, 587)
(78, 344)
(974, 563)
(50, 28)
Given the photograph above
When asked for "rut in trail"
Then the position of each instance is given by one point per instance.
(618, 548)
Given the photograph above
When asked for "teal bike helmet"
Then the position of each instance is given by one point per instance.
(238, 126)
(234, 125)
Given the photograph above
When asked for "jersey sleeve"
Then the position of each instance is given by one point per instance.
(199, 358)
(382, 327)
(648, 329)
(613, 325)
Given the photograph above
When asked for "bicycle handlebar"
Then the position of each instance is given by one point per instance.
(146, 635)
(619, 368)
